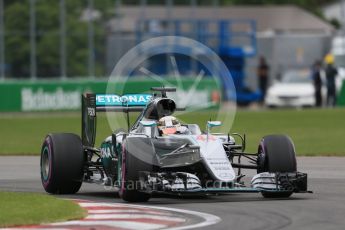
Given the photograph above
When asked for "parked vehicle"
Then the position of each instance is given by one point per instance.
(295, 89)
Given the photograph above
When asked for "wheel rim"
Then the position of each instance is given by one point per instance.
(261, 160)
(45, 164)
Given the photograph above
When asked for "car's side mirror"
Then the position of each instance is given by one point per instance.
(211, 124)
(148, 123)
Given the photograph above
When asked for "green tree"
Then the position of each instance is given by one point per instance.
(17, 38)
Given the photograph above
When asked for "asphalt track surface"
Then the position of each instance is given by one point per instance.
(324, 209)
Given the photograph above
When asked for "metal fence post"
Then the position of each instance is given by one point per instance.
(2, 41)
(33, 61)
(62, 39)
(91, 61)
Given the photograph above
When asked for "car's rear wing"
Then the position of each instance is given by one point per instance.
(93, 103)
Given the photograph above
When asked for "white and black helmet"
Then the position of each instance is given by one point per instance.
(169, 125)
(168, 121)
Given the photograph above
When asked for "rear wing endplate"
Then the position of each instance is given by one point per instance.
(93, 103)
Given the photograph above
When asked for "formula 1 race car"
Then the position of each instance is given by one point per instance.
(158, 154)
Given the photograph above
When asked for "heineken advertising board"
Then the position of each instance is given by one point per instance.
(66, 95)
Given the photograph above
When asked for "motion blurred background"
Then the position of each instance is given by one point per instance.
(63, 48)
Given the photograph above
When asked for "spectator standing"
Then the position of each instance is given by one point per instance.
(331, 73)
(263, 75)
(316, 75)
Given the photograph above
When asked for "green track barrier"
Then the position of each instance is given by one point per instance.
(341, 96)
(49, 95)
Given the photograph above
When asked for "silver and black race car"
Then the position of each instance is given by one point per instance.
(158, 154)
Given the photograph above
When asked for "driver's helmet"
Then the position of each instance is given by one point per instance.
(168, 125)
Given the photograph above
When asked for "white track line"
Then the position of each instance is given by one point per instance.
(125, 211)
(115, 224)
(209, 219)
(132, 216)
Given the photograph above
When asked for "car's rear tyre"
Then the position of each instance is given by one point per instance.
(131, 165)
(276, 154)
(62, 162)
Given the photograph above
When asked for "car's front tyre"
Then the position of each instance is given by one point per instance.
(276, 154)
(136, 157)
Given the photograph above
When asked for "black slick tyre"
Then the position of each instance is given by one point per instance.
(131, 165)
(276, 155)
(61, 164)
